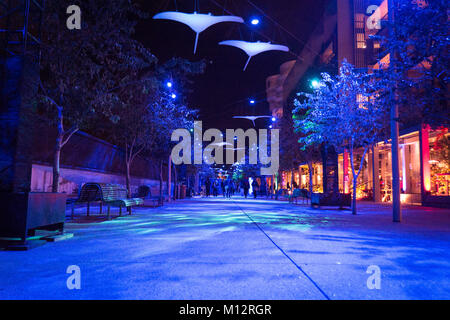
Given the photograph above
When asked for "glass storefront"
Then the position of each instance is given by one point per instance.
(439, 144)
(423, 158)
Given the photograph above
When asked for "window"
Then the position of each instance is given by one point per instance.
(360, 41)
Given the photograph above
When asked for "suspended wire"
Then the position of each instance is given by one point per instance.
(223, 112)
(255, 31)
(282, 27)
(163, 5)
(224, 6)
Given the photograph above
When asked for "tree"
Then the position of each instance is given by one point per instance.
(289, 156)
(180, 73)
(82, 70)
(346, 112)
(419, 67)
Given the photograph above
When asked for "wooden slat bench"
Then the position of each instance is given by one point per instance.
(340, 200)
(299, 193)
(90, 192)
(106, 193)
(280, 193)
(116, 195)
(145, 193)
(294, 196)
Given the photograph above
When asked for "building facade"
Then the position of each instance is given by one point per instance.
(344, 33)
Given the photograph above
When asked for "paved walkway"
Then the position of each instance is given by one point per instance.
(240, 249)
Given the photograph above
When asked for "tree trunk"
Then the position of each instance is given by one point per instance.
(128, 179)
(354, 197)
(356, 175)
(57, 154)
(310, 169)
(354, 181)
(56, 164)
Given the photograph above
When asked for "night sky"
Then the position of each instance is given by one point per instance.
(225, 89)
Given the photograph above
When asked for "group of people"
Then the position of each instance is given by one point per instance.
(229, 187)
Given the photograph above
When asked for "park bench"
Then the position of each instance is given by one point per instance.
(105, 193)
(299, 193)
(280, 193)
(145, 193)
(330, 199)
(294, 196)
(116, 195)
(90, 192)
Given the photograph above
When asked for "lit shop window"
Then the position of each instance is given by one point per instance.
(360, 41)
(439, 141)
(359, 21)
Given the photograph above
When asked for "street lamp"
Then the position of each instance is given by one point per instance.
(252, 101)
(173, 95)
(169, 84)
(274, 119)
(315, 84)
(254, 21)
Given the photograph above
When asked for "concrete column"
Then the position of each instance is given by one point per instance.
(345, 32)
(18, 88)
(425, 176)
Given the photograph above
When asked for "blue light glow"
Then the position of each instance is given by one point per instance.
(274, 119)
(315, 84)
(252, 101)
(169, 84)
(174, 96)
(254, 22)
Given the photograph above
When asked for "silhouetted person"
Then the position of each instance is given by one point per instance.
(229, 187)
(246, 187)
(215, 188)
(207, 187)
(255, 187)
(222, 186)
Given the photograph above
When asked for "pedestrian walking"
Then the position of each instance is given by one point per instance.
(208, 187)
(229, 188)
(245, 186)
(222, 187)
(215, 188)
(255, 187)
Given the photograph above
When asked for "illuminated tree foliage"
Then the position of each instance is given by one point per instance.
(419, 59)
(345, 111)
(84, 71)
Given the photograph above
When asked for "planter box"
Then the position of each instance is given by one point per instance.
(330, 199)
(23, 213)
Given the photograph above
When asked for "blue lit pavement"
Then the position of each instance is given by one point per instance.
(240, 249)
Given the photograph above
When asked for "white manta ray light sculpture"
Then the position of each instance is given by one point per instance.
(253, 48)
(196, 21)
(251, 118)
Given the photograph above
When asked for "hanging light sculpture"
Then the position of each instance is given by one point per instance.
(253, 48)
(198, 22)
(251, 118)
